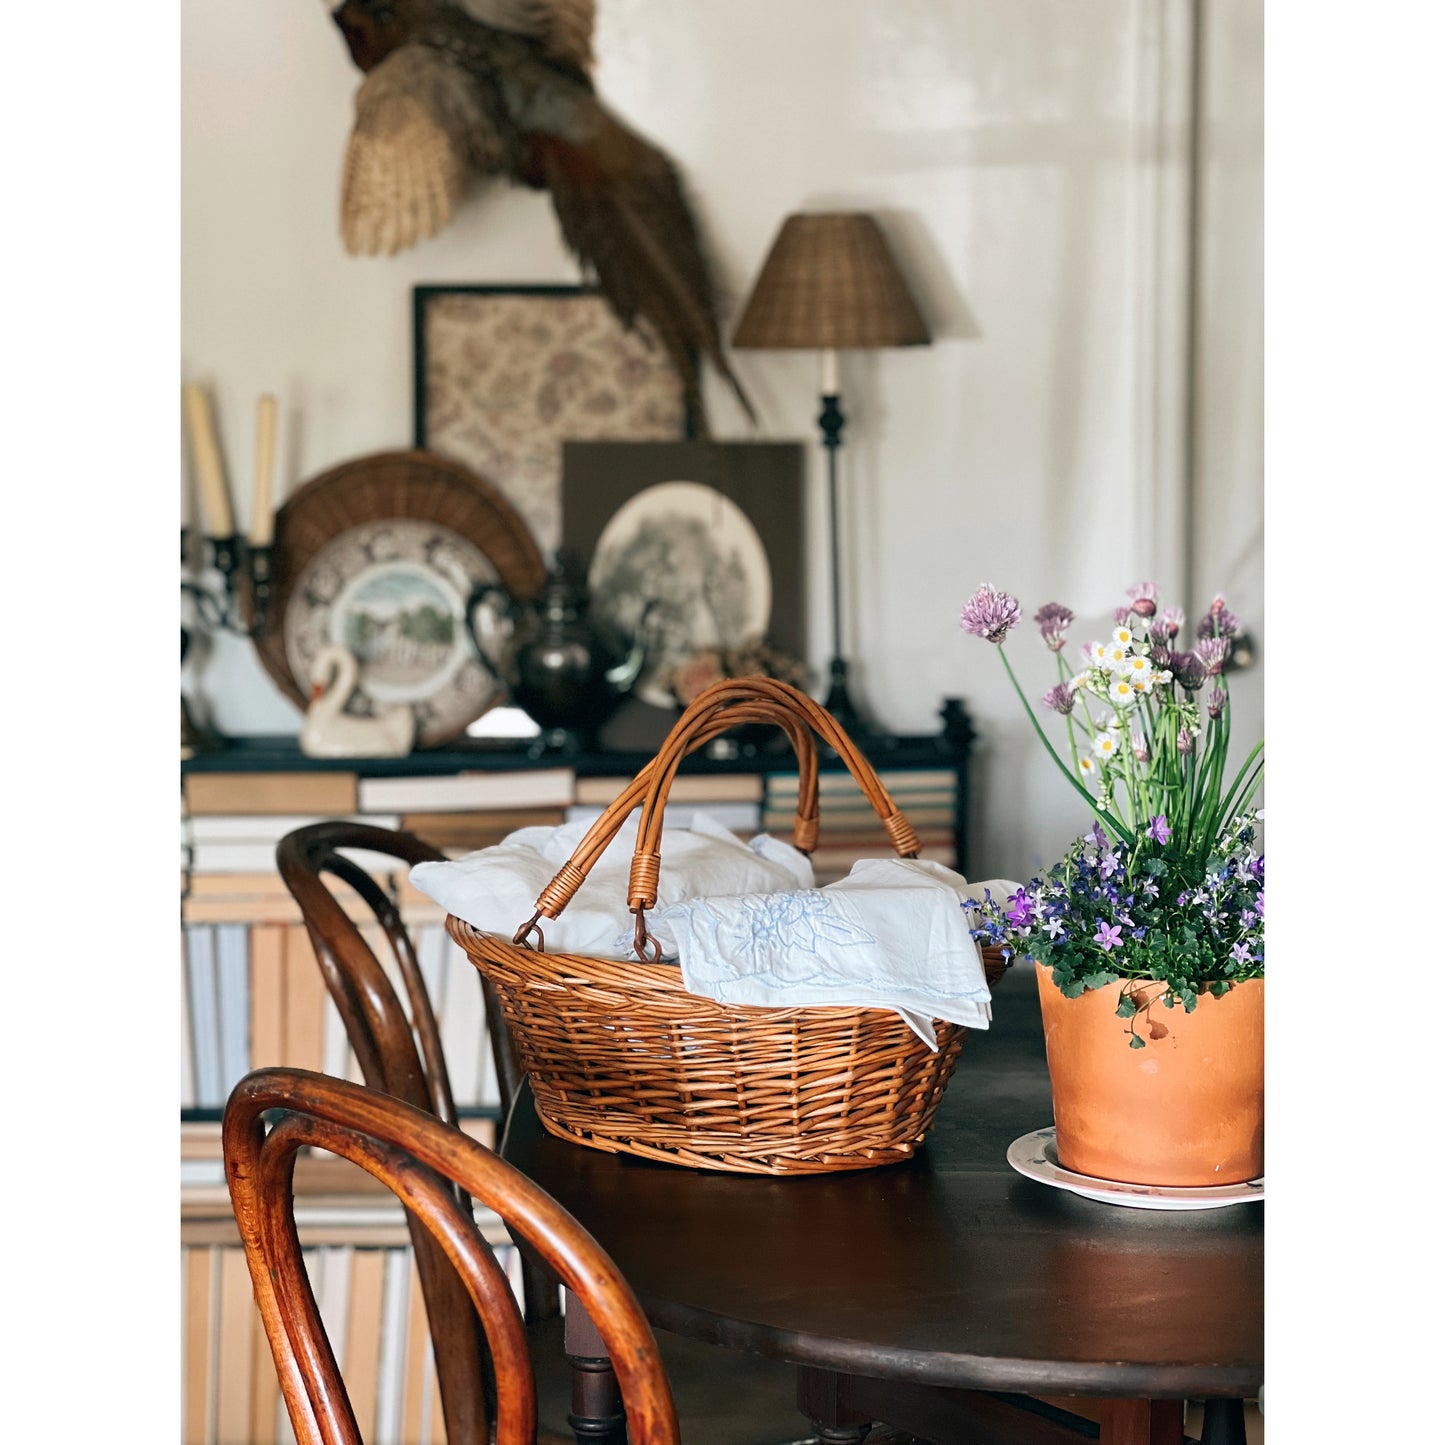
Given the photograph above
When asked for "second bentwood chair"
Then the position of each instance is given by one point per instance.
(402, 1056)
(273, 1113)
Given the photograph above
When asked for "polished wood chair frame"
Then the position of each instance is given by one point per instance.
(425, 1162)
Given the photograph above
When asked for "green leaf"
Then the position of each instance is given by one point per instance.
(1135, 1042)
(1126, 1009)
(1073, 988)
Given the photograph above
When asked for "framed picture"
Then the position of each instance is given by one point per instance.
(706, 536)
(506, 374)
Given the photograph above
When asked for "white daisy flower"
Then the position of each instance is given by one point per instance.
(1139, 668)
(1117, 656)
(1096, 654)
(1123, 637)
(1088, 767)
(1106, 744)
(1121, 692)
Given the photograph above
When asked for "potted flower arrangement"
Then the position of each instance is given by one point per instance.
(1148, 935)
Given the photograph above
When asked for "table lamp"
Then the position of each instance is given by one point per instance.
(830, 284)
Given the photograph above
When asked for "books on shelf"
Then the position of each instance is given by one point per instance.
(522, 788)
(689, 788)
(740, 817)
(468, 830)
(321, 794)
(268, 827)
(900, 782)
(254, 995)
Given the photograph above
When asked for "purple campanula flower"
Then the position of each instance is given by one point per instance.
(1211, 652)
(1053, 620)
(1185, 741)
(1188, 670)
(1098, 835)
(1108, 863)
(1022, 910)
(1060, 698)
(1143, 597)
(1107, 937)
(990, 613)
(1217, 700)
(1158, 829)
(1240, 952)
(1219, 621)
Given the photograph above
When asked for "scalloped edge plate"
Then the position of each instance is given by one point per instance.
(1034, 1156)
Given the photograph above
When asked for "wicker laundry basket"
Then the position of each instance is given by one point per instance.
(622, 1057)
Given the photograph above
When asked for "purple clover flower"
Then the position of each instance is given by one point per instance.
(1173, 620)
(1060, 698)
(1143, 597)
(1122, 616)
(1185, 741)
(989, 613)
(1158, 829)
(1219, 621)
(1217, 699)
(1053, 620)
(1107, 937)
(1211, 652)
(1140, 746)
(1188, 670)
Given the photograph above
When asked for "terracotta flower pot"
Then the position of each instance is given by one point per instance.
(1186, 1110)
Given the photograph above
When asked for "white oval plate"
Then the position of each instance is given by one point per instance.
(1034, 1156)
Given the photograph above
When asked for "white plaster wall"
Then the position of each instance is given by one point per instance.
(1011, 148)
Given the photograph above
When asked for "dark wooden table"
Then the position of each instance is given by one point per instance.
(948, 1294)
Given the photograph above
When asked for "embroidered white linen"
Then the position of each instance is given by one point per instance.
(892, 934)
(496, 888)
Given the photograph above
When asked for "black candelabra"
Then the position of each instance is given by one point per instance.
(237, 602)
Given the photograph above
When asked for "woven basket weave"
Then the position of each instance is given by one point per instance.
(622, 1057)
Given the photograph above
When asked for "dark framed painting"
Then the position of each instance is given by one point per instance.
(706, 537)
(504, 375)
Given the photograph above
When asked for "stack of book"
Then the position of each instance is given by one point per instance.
(849, 829)
(733, 799)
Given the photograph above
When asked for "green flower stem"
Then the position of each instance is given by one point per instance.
(1069, 718)
(1123, 834)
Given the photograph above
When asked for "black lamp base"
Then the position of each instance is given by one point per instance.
(841, 707)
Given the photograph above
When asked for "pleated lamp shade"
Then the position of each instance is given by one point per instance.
(829, 284)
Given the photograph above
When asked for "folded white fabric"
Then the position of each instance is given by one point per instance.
(496, 888)
(892, 934)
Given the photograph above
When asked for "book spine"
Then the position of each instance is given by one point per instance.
(363, 1337)
(393, 1345)
(462, 1028)
(188, 1051)
(233, 965)
(545, 787)
(268, 995)
(306, 1002)
(205, 1016)
(238, 1320)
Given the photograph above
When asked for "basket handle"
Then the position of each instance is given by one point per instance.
(703, 724)
(741, 693)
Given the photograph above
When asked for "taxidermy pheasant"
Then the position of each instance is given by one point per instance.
(461, 89)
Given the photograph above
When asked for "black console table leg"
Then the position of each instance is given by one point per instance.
(597, 1416)
(1223, 1423)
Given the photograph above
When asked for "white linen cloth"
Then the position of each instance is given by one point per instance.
(496, 888)
(892, 934)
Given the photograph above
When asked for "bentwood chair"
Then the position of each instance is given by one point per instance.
(400, 1054)
(273, 1113)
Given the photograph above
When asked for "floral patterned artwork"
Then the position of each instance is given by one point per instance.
(506, 377)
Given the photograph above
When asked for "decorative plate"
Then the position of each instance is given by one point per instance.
(696, 557)
(380, 555)
(1035, 1157)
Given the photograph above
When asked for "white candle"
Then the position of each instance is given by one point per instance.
(263, 514)
(216, 503)
(828, 370)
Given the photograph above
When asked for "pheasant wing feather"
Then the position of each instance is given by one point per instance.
(421, 130)
(622, 212)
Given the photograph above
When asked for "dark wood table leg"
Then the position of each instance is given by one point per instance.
(1223, 1423)
(596, 1417)
(1141, 1422)
(821, 1398)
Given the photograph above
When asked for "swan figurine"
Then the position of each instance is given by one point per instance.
(328, 732)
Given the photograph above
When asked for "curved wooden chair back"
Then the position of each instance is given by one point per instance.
(273, 1113)
(402, 1056)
